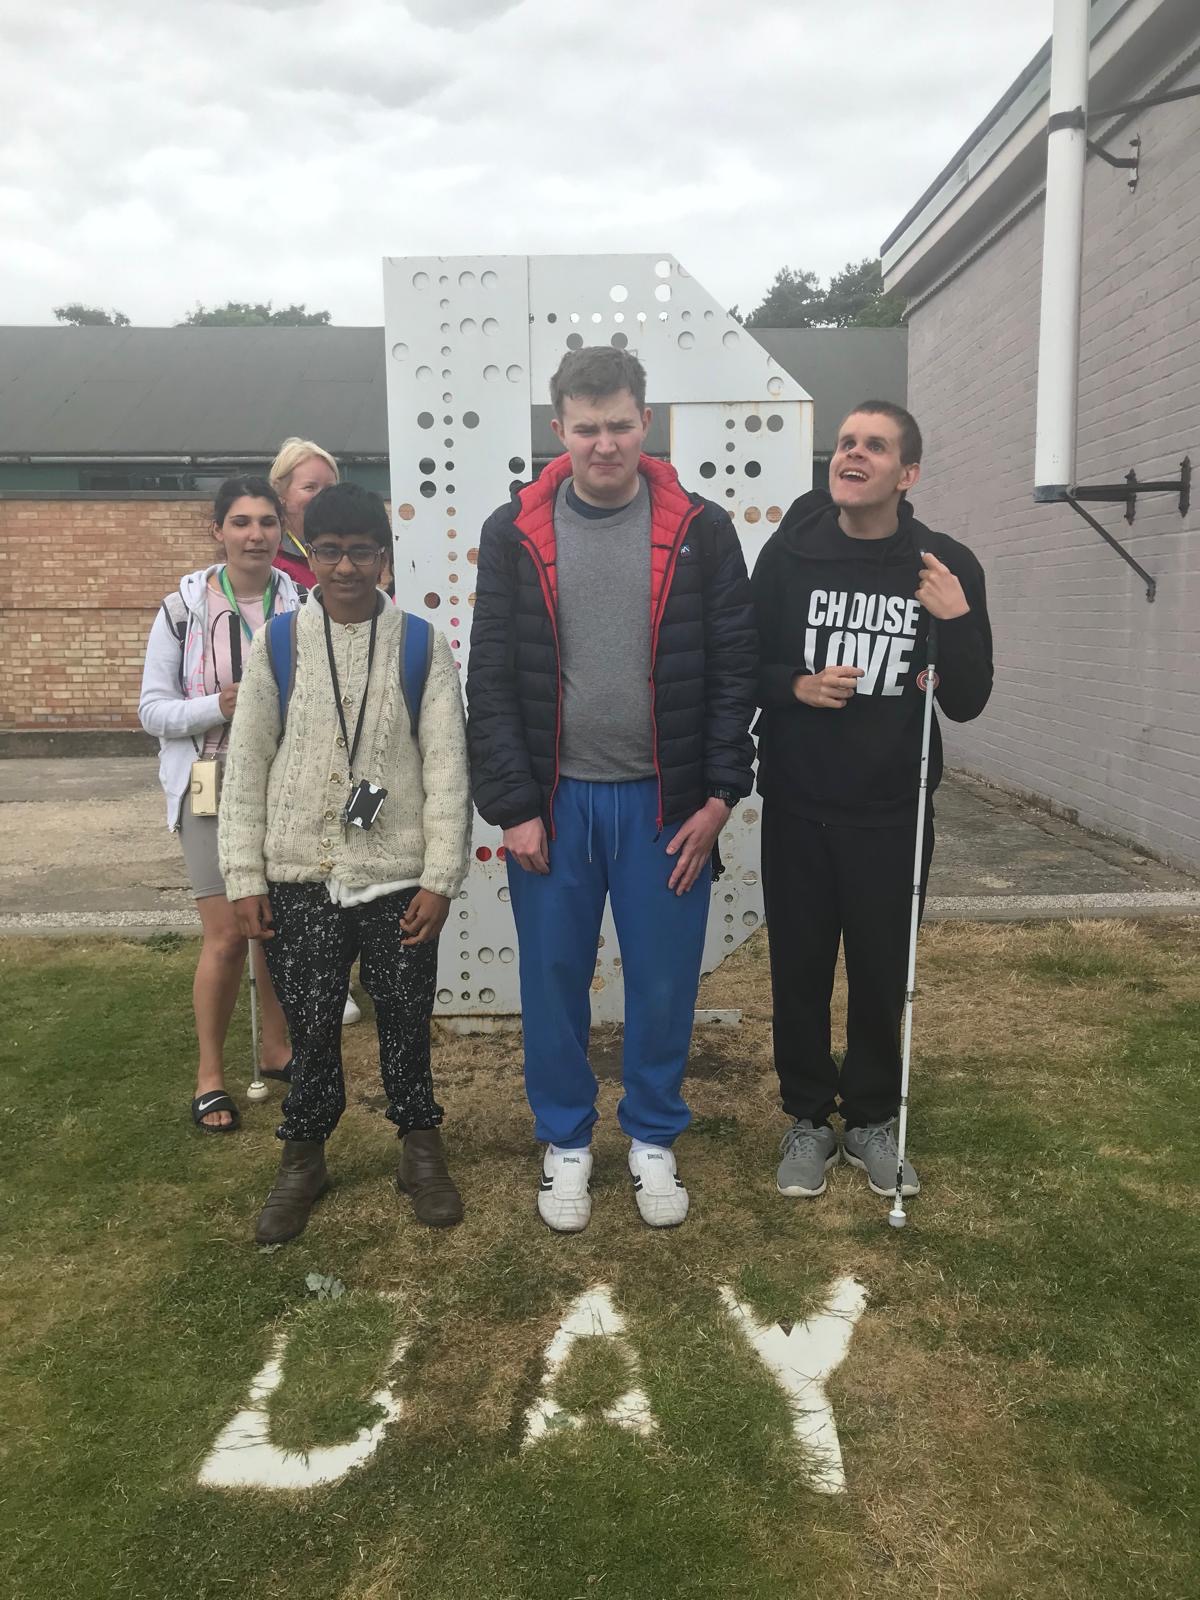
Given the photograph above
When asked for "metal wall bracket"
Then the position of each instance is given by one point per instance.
(1151, 584)
(1132, 163)
(1126, 493)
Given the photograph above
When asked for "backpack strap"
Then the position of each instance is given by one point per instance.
(416, 654)
(281, 653)
(174, 608)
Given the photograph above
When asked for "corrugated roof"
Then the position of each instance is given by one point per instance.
(142, 392)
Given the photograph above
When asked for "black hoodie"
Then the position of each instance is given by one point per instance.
(824, 599)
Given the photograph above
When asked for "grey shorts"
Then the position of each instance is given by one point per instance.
(199, 838)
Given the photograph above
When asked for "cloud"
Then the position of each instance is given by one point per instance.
(221, 149)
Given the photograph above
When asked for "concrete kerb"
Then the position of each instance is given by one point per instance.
(1147, 904)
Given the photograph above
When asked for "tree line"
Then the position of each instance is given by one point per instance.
(853, 298)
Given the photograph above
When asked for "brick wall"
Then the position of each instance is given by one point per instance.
(1097, 699)
(80, 581)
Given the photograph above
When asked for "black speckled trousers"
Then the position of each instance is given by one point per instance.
(309, 960)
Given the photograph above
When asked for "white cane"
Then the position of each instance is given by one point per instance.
(258, 1090)
(896, 1216)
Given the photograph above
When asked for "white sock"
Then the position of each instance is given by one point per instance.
(638, 1145)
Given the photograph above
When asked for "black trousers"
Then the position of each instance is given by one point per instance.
(822, 884)
(309, 960)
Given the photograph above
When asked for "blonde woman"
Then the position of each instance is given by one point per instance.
(300, 471)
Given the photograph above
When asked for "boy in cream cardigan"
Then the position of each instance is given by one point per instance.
(318, 887)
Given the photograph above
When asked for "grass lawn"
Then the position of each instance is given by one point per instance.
(1017, 1410)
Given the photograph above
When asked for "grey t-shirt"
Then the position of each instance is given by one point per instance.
(604, 638)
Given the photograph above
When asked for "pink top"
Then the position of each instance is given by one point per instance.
(219, 650)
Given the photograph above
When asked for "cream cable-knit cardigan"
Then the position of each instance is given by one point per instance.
(281, 802)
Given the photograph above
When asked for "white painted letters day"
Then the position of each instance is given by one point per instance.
(800, 1357)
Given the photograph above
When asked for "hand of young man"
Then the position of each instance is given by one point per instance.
(253, 913)
(828, 690)
(939, 591)
(425, 917)
(227, 701)
(693, 844)
(527, 845)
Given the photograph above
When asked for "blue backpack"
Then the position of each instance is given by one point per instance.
(416, 653)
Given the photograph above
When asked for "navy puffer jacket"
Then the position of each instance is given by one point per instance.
(704, 653)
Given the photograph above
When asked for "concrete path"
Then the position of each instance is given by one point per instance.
(84, 848)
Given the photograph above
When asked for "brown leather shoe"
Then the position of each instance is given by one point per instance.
(301, 1182)
(424, 1178)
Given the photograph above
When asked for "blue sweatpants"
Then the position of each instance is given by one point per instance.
(605, 844)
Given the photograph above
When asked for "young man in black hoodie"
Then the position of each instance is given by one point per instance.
(844, 592)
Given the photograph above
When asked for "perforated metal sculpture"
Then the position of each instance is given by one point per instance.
(471, 345)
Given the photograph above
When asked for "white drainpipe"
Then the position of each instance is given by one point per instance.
(1062, 255)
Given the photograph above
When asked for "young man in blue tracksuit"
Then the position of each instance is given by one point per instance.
(610, 691)
(844, 592)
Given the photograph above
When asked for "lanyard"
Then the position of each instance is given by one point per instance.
(268, 601)
(351, 749)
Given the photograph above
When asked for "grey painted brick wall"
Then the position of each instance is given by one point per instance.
(1097, 699)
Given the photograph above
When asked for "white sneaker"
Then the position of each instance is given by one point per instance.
(564, 1199)
(661, 1198)
(350, 1012)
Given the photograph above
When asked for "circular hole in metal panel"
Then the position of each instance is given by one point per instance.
(429, 489)
(730, 338)
(425, 419)
(753, 469)
(686, 340)
(420, 280)
(753, 423)
(574, 341)
(470, 419)
(489, 279)
(619, 341)
(426, 465)
(708, 469)
(775, 386)
(662, 291)
(491, 327)
(774, 422)
(513, 373)
(662, 269)
(400, 352)
(618, 292)
(491, 373)
(432, 601)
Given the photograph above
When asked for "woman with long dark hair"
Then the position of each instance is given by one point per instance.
(200, 637)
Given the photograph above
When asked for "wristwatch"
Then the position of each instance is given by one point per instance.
(729, 796)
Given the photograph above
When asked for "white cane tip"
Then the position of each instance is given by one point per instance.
(256, 1093)
(897, 1219)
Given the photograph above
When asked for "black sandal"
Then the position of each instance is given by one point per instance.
(215, 1100)
(280, 1074)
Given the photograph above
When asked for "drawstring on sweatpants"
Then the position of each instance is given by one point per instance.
(591, 819)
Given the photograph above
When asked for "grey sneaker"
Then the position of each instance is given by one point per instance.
(808, 1154)
(873, 1148)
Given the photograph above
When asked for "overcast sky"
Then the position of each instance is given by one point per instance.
(157, 153)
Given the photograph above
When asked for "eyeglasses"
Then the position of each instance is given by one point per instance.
(362, 555)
